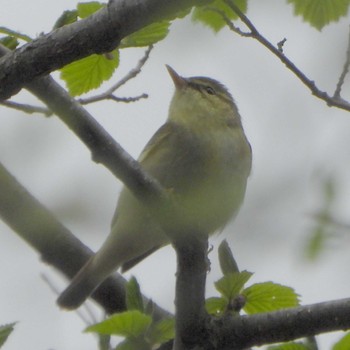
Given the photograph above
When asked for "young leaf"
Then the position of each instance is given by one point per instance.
(10, 42)
(320, 13)
(230, 285)
(5, 331)
(343, 343)
(89, 73)
(211, 16)
(289, 346)
(215, 305)
(316, 242)
(146, 36)
(133, 295)
(269, 296)
(67, 17)
(86, 9)
(227, 261)
(133, 344)
(162, 331)
(128, 324)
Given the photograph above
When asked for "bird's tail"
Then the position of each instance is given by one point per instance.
(80, 288)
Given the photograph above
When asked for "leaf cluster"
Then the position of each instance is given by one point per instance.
(234, 296)
(136, 325)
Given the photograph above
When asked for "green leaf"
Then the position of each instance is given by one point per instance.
(147, 36)
(211, 16)
(133, 344)
(230, 285)
(343, 343)
(67, 17)
(289, 346)
(18, 35)
(269, 296)
(128, 324)
(86, 9)
(227, 261)
(5, 331)
(162, 331)
(133, 295)
(316, 242)
(180, 14)
(215, 305)
(320, 235)
(10, 42)
(320, 13)
(89, 73)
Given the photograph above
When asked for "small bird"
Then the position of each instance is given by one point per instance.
(202, 155)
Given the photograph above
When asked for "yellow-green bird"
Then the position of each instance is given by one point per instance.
(202, 155)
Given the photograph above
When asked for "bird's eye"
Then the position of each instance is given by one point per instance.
(209, 90)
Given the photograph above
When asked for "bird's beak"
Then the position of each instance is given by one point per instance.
(179, 81)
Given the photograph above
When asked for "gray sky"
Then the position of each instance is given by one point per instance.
(296, 141)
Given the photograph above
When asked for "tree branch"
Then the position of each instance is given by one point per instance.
(192, 267)
(333, 101)
(241, 332)
(344, 72)
(99, 33)
(29, 109)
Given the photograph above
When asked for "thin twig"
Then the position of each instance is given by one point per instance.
(27, 108)
(108, 95)
(344, 72)
(255, 34)
(112, 97)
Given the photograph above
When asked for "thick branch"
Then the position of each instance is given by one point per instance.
(98, 33)
(241, 332)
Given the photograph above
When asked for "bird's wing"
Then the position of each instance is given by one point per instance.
(158, 144)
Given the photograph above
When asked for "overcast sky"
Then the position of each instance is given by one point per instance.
(297, 141)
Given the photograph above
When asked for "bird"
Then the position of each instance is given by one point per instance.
(201, 154)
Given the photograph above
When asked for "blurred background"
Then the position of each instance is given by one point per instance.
(299, 144)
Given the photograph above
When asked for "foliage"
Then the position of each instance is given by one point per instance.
(212, 13)
(269, 296)
(320, 13)
(5, 331)
(343, 343)
(136, 326)
(324, 228)
(290, 346)
(259, 297)
(88, 73)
